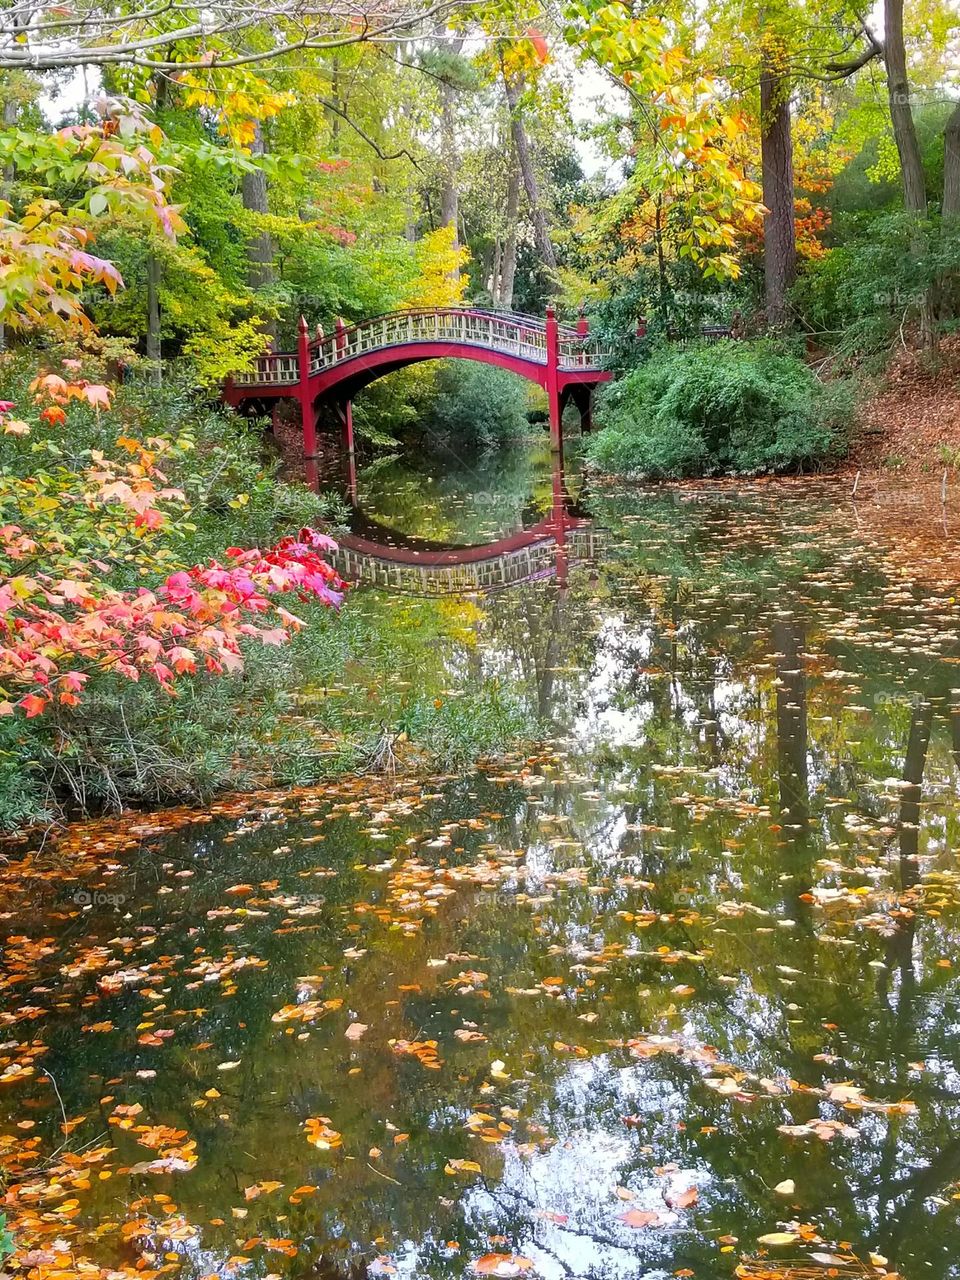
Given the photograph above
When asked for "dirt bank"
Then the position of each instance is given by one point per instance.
(912, 423)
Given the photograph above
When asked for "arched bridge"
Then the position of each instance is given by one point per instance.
(327, 370)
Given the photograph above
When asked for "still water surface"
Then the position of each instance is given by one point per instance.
(625, 1006)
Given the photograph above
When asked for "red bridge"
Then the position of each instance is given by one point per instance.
(327, 371)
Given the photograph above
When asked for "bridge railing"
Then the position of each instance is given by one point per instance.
(525, 337)
(276, 369)
(519, 336)
(579, 353)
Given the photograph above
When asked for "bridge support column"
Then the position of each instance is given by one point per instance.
(553, 381)
(345, 414)
(308, 421)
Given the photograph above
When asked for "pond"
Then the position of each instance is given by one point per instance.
(673, 994)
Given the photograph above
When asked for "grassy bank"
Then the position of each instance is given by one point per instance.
(351, 688)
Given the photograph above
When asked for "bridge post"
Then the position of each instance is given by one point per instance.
(307, 420)
(344, 410)
(345, 413)
(553, 380)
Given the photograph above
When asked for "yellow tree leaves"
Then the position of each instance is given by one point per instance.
(688, 192)
(440, 282)
(238, 98)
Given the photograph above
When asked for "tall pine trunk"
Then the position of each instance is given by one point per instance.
(449, 193)
(495, 270)
(948, 287)
(951, 165)
(154, 352)
(521, 146)
(508, 261)
(908, 147)
(260, 248)
(450, 158)
(779, 223)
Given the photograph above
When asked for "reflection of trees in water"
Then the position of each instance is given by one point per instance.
(710, 677)
(541, 639)
(466, 497)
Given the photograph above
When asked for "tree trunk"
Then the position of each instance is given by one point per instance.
(901, 115)
(908, 147)
(494, 282)
(663, 291)
(154, 353)
(410, 216)
(779, 225)
(11, 110)
(789, 641)
(449, 193)
(508, 262)
(918, 740)
(951, 165)
(521, 146)
(335, 95)
(260, 250)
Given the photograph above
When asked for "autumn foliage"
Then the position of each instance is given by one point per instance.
(64, 534)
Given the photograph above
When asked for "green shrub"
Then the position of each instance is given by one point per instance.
(860, 296)
(722, 407)
(475, 404)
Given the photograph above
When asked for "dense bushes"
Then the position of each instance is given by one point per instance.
(476, 404)
(867, 292)
(728, 406)
(450, 401)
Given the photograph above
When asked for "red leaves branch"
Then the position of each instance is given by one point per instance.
(196, 618)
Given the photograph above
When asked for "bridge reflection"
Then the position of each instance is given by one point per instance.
(375, 554)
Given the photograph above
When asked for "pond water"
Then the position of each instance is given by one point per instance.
(675, 994)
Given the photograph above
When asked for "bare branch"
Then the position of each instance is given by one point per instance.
(92, 35)
(403, 153)
(840, 70)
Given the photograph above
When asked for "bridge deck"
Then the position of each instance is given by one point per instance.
(538, 553)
